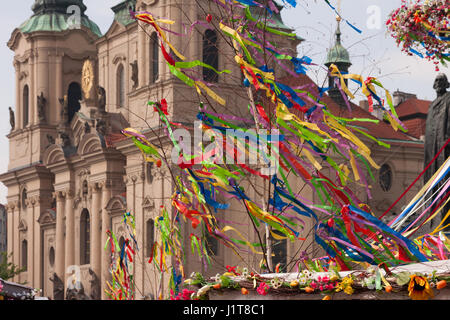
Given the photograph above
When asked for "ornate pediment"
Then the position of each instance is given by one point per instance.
(47, 218)
(89, 144)
(22, 225)
(116, 205)
(53, 154)
(148, 203)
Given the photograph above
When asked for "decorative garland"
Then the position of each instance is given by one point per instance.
(419, 286)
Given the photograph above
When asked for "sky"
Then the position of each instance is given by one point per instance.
(373, 52)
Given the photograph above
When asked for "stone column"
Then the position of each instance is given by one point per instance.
(28, 213)
(15, 236)
(70, 233)
(95, 229)
(141, 54)
(106, 225)
(58, 93)
(11, 231)
(60, 246)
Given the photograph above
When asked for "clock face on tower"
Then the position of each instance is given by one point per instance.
(87, 78)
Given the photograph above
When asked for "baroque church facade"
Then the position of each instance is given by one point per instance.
(72, 175)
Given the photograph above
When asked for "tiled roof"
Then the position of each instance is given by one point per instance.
(381, 130)
(416, 127)
(412, 107)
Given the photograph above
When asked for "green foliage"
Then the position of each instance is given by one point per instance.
(403, 278)
(8, 269)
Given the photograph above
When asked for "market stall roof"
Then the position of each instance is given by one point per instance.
(15, 290)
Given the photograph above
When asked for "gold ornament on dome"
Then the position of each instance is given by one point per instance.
(87, 78)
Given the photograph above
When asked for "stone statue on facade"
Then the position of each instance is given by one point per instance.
(87, 128)
(135, 74)
(41, 103)
(437, 130)
(50, 139)
(101, 127)
(65, 139)
(64, 109)
(101, 100)
(58, 287)
(12, 119)
(95, 285)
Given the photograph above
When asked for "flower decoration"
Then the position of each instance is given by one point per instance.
(245, 273)
(422, 27)
(203, 290)
(307, 274)
(346, 285)
(419, 288)
(262, 289)
(184, 295)
(217, 277)
(276, 283)
(231, 269)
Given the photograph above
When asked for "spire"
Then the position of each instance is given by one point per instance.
(338, 55)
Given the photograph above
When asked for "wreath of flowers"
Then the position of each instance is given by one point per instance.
(422, 29)
(419, 286)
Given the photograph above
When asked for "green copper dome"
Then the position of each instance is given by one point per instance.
(338, 54)
(54, 16)
(122, 12)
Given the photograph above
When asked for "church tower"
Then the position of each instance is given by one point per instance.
(340, 57)
(49, 50)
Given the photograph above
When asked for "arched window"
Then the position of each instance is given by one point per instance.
(120, 86)
(279, 249)
(150, 236)
(24, 262)
(121, 242)
(26, 105)
(85, 237)
(23, 199)
(154, 58)
(73, 97)
(51, 256)
(210, 56)
(385, 177)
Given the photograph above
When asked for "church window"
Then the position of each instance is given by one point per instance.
(85, 237)
(154, 58)
(26, 105)
(24, 262)
(121, 86)
(150, 236)
(210, 56)
(24, 198)
(51, 256)
(121, 242)
(74, 97)
(385, 177)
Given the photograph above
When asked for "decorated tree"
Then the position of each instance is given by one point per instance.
(293, 142)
